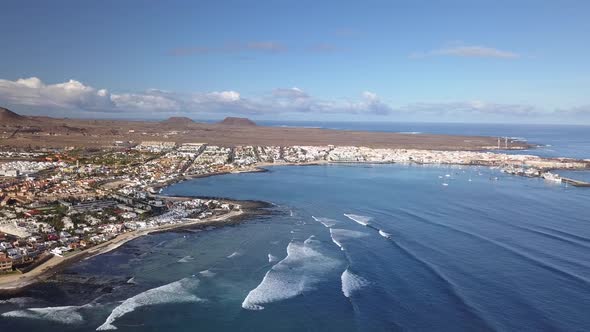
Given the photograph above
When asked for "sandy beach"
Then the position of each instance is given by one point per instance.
(14, 283)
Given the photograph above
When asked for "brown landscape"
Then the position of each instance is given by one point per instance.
(39, 131)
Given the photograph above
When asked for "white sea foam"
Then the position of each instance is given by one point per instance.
(185, 259)
(207, 273)
(19, 301)
(336, 242)
(326, 221)
(340, 235)
(385, 234)
(272, 258)
(175, 292)
(352, 283)
(234, 254)
(132, 281)
(63, 315)
(363, 220)
(299, 272)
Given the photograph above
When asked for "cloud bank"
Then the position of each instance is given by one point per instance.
(78, 99)
(76, 95)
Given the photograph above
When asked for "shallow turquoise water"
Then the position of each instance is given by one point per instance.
(485, 254)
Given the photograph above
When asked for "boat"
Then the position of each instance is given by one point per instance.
(551, 177)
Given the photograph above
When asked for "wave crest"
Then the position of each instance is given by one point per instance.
(352, 283)
(300, 271)
(63, 315)
(185, 259)
(175, 292)
(327, 222)
(363, 220)
(339, 235)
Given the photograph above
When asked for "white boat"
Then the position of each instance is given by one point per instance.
(551, 177)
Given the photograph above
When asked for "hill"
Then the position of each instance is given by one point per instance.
(9, 117)
(178, 120)
(233, 121)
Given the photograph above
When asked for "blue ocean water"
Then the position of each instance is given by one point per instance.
(347, 248)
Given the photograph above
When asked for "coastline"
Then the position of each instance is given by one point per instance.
(15, 283)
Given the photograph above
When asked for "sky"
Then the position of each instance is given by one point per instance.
(415, 60)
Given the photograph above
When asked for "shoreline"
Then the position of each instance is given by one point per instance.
(16, 283)
(13, 284)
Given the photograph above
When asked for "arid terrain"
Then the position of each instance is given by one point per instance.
(38, 131)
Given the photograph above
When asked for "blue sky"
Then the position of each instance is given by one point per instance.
(460, 61)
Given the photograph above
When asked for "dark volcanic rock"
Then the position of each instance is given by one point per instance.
(233, 121)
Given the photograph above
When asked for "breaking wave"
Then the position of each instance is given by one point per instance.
(385, 234)
(336, 242)
(363, 220)
(20, 301)
(272, 258)
(208, 273)
(326, 221)
(352, 283)
(340, 235)
(185, 259)
(234, 254)
(175, 292)
(299, 272)
(63, 315)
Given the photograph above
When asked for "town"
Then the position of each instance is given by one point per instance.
(63, 202)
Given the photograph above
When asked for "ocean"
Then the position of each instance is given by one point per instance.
(350, 247)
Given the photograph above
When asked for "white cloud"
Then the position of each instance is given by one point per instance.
(149, 101)
(78, 98)
(225, 96)
(74, 95)
(33, 92)
(471, 51)
(289, 93)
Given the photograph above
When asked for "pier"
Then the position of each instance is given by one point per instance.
(575, 183)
